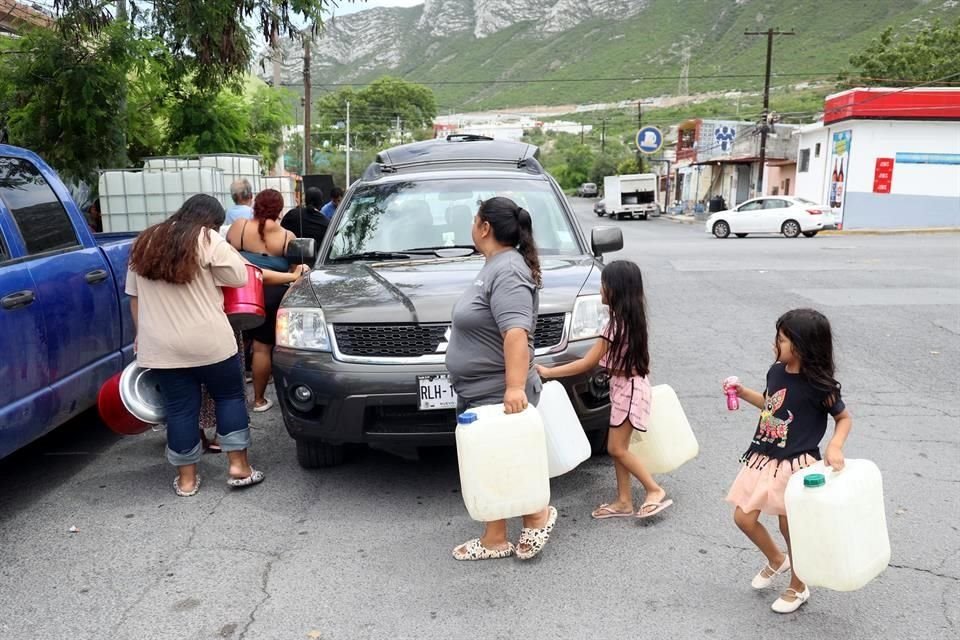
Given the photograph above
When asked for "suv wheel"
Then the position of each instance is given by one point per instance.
(316, 454)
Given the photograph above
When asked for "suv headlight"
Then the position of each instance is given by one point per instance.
(302, 329)
(590, 315)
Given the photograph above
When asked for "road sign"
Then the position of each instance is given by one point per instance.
(649, 140)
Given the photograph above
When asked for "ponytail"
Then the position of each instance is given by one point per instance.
(513, 227)
(527, 246)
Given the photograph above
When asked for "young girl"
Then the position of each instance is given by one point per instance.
(622, 349)
(800, 392)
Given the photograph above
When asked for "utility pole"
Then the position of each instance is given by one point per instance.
(278, 169)
(581, 133)
(766, 99)
(307, 107)
(640, 104)
(603, 135)
(347, 184)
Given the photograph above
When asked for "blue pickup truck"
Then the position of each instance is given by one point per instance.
(65, 324)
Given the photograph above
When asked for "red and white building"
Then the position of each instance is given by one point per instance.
(885, 158)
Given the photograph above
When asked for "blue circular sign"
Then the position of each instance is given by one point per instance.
(649, 140)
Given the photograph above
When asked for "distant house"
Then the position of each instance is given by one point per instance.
(722, 157)
(17, 16)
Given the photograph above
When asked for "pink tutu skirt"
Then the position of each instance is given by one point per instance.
(762, 482)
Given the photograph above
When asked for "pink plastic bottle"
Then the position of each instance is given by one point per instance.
(733, 401)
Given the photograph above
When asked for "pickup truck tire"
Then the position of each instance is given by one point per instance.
(643, 217)
(316, 454)
(598, 441)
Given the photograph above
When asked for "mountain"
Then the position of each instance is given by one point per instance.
(485, 53)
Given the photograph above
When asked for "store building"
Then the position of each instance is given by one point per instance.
(885, 158)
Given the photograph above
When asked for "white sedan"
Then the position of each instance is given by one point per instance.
(788, 215)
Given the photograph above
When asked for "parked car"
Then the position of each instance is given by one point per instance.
(587, 190)
(361, 342)
(65, 318)
(788, 215)
(600, 208)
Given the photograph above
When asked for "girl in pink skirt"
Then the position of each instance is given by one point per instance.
(800, 392)
(622, 349)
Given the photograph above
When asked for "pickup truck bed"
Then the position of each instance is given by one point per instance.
(65, 324)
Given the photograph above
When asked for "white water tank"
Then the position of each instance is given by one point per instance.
(503, 463)
(567, 444)
(134, 199)
(668, 441)
(286, 185)
(838, 526)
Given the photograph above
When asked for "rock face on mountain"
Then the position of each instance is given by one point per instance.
(504, 53)
(377, 39)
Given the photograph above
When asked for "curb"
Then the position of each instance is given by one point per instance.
(890, 232)
(681, 219)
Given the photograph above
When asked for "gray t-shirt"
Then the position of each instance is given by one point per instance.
(503, 297)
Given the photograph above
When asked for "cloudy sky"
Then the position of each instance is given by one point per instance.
(346, 7)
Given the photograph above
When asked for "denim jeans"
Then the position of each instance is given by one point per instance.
(181, 390)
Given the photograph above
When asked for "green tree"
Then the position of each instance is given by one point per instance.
(628, 165)
(928, 55)
(61, 97)
(603, 165)
(271, 110)
(375, 110)
(209, 40)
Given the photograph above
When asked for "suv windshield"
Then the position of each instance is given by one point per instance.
(408, 215)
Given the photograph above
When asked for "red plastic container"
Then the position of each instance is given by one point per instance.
(244, 305)
(114, 413)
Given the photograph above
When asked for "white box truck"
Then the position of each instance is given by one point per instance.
(631, 196)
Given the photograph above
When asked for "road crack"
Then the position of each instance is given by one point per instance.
(927, 571)
(264, 583)
(175, 559)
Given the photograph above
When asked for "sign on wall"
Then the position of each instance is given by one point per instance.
(883, 175)
(840, 163)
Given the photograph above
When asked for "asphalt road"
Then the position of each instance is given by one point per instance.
(363, 551)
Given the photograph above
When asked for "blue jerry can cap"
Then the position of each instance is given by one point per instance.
(467, 418)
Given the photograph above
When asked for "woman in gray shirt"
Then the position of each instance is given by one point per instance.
(490, 355)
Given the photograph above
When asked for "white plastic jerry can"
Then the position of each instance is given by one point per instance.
(838, 528)
(567, 444)
(668, 441)
(503, 463)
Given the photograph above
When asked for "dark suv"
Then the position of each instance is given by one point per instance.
(361, 342)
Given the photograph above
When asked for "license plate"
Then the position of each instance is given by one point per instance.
(436, 392)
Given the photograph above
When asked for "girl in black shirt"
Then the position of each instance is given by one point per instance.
(800, 392)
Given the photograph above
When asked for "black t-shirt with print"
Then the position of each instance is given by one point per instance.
(793, 420)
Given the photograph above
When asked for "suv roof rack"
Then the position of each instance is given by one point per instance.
(456, 150)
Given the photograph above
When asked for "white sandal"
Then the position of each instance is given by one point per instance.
(761, 581)
(474, 550)
(789, 606)
(536, 539)
(186, 494)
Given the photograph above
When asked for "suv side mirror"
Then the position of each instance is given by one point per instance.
(302, 251)
(606, 240)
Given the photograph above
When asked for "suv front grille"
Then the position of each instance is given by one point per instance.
(415, 340)
(389, 340)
